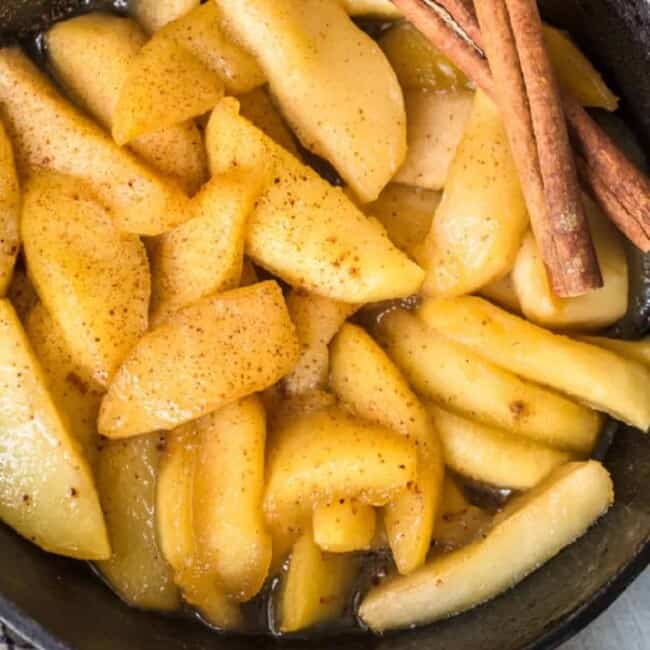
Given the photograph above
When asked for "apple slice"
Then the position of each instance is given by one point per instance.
(332, 82)
(166, 85)
(47, 493)
(48, 132)
(230, 344)
(90, 56)
(93, 279)
(303, 229)
(127, 471)
(530, 531)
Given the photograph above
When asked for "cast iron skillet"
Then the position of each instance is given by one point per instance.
(58, 603)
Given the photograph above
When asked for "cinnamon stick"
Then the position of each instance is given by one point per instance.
(621, 189)
(462, 11)
(607, 199)
(567, 251)
(499, 44)
(574, 250)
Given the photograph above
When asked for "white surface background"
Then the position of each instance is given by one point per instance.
(624, 626)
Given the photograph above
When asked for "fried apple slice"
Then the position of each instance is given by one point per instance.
(502, 292)
(126, 478)
(575, 73)
(315, 587)
(165, 85)
(596, 309)
(318, 458)
(92, 278)
(417, 63)
(48, 132)
(154, 14)
(530, 531)
(634, 350)
(344, 526)
(202, 591)
(175, 489)
(73, 389)
(595, 376)
(480, 223)
(460, 380)
(90, 56)
(303, 229)
(317, 320)
(175, 495)
(372, 8)
(366, 379)
(491, 455)
(341, 96)
(436, 123)
(459, 522)
(258, 108)
(203, 31)
(206, 253)
(47, 493)
(406, 213)
(231, 534)
(230, 344)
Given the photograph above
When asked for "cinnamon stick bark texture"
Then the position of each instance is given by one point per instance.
(526, 89)
(621, 189)
(499, 43)
(462, 11)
